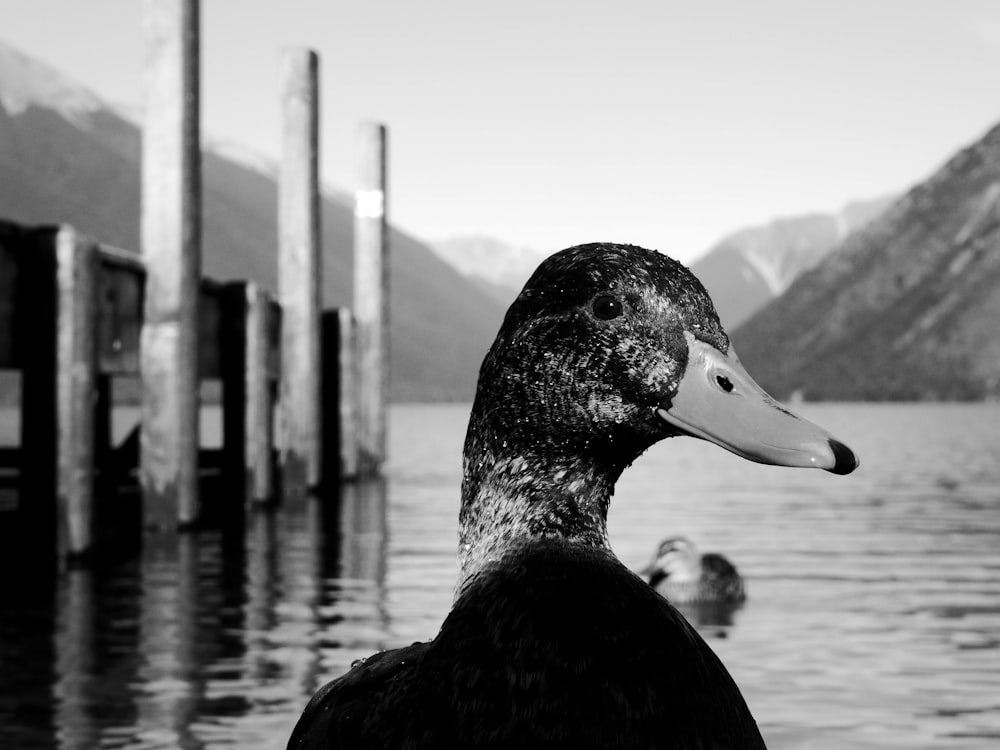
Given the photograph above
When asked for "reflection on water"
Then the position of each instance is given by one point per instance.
(711, 618)
(873, 618)
(206, 639)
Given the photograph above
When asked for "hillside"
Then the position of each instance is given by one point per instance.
(67, 157)
(748, 268)
(907, 308)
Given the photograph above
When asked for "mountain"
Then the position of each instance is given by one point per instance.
(498, 268)
(65, 156)
(906, 309)
(749, 268)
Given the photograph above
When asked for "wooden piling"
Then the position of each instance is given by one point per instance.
(340, 440)
(171, 247)
(347, 391)
(35, 545)
(299, 275)
(261, 377)
(76, 375)
(10, 235)
(247, 394)
(371, 297)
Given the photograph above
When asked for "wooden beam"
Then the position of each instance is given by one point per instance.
(120, 301)
(371, 297)
(247, 394)
(259, 395)
(210, 334)
(347, 391)
(171, 247)
(340, 397)
(299, 275)
(232, 345)
(37, 517)
(9, 235)
(76, 368)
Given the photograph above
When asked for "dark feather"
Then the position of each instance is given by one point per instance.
(558, 647)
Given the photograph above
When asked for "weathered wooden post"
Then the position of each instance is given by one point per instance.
(299, 275)
(246, 384)
(260, 402)
(10, 235)
(347, 391)
(55, 327)
(34, 317)
(371, 297)
(340, 442)
(171, 246)
(76, 377)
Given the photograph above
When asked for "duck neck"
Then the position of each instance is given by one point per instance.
(514, 494)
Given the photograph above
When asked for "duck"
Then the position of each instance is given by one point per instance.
(551, 641)
(685, 576)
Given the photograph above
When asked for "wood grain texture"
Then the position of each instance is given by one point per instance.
(371, 297)
(299, 274)
(76, 377)
(171, 247)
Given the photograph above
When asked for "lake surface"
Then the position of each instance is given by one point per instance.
(873, 618)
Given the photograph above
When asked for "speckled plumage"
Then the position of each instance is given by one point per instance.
(551, 641)
(569, 400)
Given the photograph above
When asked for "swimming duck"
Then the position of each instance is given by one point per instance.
(551, 641)
(685, 576)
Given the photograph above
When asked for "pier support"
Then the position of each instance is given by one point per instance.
(76, 377)
(340, 395)
(54, 326)
(247, 390)
(371, 297)
(171, 248)
(299, 276)
(34, 548)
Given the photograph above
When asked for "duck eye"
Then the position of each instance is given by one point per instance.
(606, 307)
(724, 383)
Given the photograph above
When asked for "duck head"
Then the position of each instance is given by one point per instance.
(607, 350)
(676, 558)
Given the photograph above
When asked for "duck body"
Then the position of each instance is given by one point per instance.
(555, 646)
(551, 641)
(685, 576)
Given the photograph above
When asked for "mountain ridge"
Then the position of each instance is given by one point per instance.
(905, 309)
(751, 266)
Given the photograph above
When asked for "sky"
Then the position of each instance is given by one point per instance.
(552, 122)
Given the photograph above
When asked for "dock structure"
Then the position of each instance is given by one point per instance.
(74, 325)
(77, 316)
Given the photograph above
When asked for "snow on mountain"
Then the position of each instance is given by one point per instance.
(752, 266)
(486, 259)
(25, 82)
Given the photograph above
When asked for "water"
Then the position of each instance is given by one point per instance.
(873, 619)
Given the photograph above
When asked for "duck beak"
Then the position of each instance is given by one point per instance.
(717, 400)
